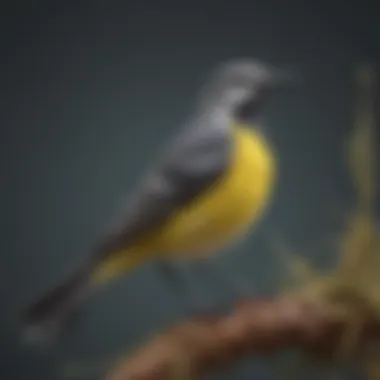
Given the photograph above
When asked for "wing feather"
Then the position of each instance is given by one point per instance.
(193, 162)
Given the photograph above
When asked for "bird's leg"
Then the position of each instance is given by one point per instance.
(175, 277)
(223, 280)
(170, 273)
(185, 286)
(225, 288)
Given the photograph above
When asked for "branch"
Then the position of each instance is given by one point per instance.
(254, 326)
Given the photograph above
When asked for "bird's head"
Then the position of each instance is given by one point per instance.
(241, 86)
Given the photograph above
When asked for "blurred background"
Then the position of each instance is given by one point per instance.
(91, 89)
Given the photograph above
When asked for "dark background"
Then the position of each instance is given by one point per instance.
(90, 89)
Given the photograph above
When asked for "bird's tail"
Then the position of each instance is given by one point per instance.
(45, 318)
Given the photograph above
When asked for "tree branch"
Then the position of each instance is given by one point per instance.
(191, 348)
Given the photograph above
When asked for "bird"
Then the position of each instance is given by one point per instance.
(208, 186)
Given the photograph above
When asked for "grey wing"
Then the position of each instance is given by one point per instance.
(193, 162)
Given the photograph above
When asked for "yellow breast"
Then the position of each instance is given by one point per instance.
(230, 206)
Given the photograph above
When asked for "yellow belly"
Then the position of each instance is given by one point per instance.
(229, 207)
(215, 217)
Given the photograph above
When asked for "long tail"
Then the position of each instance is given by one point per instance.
(45, 318)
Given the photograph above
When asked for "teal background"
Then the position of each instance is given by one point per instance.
(91, 89)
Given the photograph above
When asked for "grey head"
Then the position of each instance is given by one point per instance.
(242, 86)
